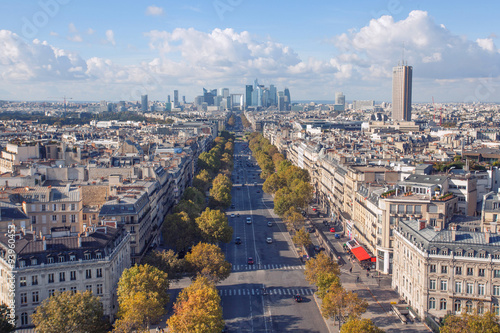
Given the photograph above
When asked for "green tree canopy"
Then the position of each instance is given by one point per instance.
(302, 238)
(209, 261)
(214, 226)
(273, 183)
(293, 219)
(319, 265)
(196, 196)
(339, 303)
(180, 231)
(197, 309)
(142, 297)
(5, 319)
(79, 312)
(166, 261)
(202, 181)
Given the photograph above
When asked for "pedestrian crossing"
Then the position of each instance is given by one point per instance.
(239, 268)
(269, 291)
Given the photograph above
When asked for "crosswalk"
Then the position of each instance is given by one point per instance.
(238, 268)
(269, 291)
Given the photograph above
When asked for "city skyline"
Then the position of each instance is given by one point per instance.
(65, 48)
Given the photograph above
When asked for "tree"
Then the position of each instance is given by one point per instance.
(302, 238)
(293, 219)
(220, 197)
(78, 312)
(180, 231)
(202, 180)
(166, 261)
(214, 226)
(339, 303)
(142, 296)
(188, 207)
(320, 265)
(470, 323)
(196, 196)
(303, 193)
(6, 319)
(209, 261)
(197, 309)
(355, 324)
(283, 201)
(324, 281)
(273, 183)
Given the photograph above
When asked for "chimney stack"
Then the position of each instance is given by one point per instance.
(79, 241)
(453, 229)
(487, 235)
(44, 243)
(421, 224)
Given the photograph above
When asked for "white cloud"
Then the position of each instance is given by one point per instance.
(90, 31)
(110, 37)
(72, 28)
(75, 38)
(154, 11)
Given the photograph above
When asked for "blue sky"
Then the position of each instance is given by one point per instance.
(118, 50)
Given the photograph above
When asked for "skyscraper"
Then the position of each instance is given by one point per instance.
(401, 92)
(288, 99)
(339, 102)
(176, 98)
(248, 95)
(144, 103)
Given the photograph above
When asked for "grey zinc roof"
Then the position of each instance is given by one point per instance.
(426, 179)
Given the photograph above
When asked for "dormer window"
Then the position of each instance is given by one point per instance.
(50, 260)
(61, 258)
(98, 255)
(470, 253)
(34, 261)
(87, 256)
(72, 257)
(22, 263)
(444, 252)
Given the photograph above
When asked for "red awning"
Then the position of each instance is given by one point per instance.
(373, 259)
(360, 253)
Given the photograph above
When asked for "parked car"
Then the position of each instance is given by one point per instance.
(311, 230)
(249, 220)
(332, 229)
(232, 215)
(269, 223)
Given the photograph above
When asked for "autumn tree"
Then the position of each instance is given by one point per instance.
(355, 324)
(273, 183)
(302, 238)
(339, 304)
(319, 265)
(293, 219)
(283, 201)
(197, 309)
(180, 231)
(196, 196)
(142, 297)
(78, 312)
(209, 261)
(214, 226)
(471, 323)
(166, 261)
(5, 319)
(202, 181)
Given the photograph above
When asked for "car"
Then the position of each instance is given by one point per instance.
(311, 230)
(337, 236)
(269, 240)
(269, 223)
(237, 240)
(250, 261)
(232, 206)
(232, 215)
(238, 215)
(332, 229)
(249, 220)
(297, 298)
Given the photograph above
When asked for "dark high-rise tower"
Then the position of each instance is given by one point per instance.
(176, 98)
(248, 95)
(288, 100)
(144, 103)
(401, 93)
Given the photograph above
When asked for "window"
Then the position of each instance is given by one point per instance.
(73, 290)
(24, 319)
(481, 272)
(409, 209)
(401, 209)
(496, 290)
(470, 271)
(442, 304)
(88, 273)
(34, 262)
(470, 288)
(33, 219)
(22, 263)
(24, 298)
(444, 269)
(34, 280)
(54, 207)
(98, 255)
(62, 289)
(72, 257)
(34, 297)
(50, 260)
(51, 292)
(458, 270)
(72, 275)
(468, 306)
(432, 222)
(418, 209)
(73, 218)
(84, 217)
(98, 272)
(458, 306)
(87, 256)
(432, 303)
(51, 277)
(62, 276)
(496, 309)
(132, 229)
(63, 218)
(496, 256)
(73, 207)
(480, 289)
(43, 208)
(458, 286)
(470, 254)
(480, 308)
(432, 284)
(393, 209)
(482, 254)
(444, 285)
(63, 206)
(432, 268)
(22, 281)
(88, 287)
(99, 289)
(61, 258)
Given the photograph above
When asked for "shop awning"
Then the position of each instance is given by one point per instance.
(360, 253)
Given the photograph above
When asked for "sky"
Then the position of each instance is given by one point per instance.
(119, 50)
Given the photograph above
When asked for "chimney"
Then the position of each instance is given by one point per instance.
(79, 241)
(487, 235)
(44, 242)
(453, 229)
(421, 224)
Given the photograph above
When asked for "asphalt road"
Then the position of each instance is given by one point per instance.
(247, 307)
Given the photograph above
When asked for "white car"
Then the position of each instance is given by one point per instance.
(249, 220)
(269, 240)
(269, 223)
(232, 215)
